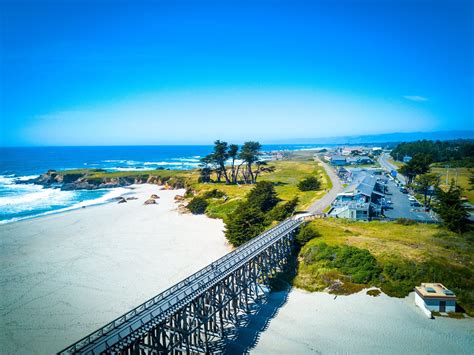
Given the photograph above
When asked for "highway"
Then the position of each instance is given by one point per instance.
(385, 164)
(320, 205)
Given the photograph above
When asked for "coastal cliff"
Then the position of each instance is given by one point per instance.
(92, 179)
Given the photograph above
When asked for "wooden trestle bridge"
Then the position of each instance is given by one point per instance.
(196, 315)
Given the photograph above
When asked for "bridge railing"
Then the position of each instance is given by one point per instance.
(244, 250)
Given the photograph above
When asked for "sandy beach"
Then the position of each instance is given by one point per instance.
(314, 323)
(64, 275)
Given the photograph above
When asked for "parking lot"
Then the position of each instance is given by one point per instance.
(401, 206)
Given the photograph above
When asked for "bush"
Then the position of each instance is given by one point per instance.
(405, 221)
(263, 196)
(214, 193)
(283, 211)
(311, 183)
(305, 234)
(197, 205)
(245, 223)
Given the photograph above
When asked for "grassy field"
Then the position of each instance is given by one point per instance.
(398, 164)
(287, 175)
(405, 255)
(461, 177)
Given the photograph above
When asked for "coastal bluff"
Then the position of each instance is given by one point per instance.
(92, 179)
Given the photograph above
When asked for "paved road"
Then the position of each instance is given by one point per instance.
(320, 205)
(389, 166)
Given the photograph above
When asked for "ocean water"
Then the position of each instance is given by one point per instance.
(20, 201)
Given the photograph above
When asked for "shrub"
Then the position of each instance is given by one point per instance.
(245, 223)
(305, 234)
(311, 183)
(263, 196)
(405, 221)
(214, 193)
(197, 205)
(283, 211)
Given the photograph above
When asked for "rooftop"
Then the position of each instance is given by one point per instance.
(434, 290)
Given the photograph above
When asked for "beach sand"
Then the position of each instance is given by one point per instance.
(311, 323)
(64, 275)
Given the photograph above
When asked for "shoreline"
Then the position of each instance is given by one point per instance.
(77, 271)
(75, 207)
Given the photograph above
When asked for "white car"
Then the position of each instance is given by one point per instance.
(411, 198)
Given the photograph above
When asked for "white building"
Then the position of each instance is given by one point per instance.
(434, 297)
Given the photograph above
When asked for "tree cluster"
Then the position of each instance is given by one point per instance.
(223, 163)
(452, 209)
(418, 165)
(260, 209)
(461, 151)
(311, 183)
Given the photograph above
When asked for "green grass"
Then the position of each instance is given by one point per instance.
(286, 176)
(398, 164)
(406, 254)
(461, 176)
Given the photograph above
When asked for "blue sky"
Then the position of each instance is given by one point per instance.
(164, 72)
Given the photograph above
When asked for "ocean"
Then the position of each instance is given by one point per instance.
(20, 201)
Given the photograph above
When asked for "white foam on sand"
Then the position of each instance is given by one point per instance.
(63, 276)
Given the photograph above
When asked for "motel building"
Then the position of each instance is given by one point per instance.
(434, 297)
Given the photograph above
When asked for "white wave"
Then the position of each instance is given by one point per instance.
(11, 179)
(161, 163)
(37, 198)
(57, 196)
(192, 160)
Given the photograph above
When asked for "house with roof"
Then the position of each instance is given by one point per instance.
(338, 160)
(435, 297)
(361, 202)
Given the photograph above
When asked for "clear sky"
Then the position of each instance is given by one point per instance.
(164, 72)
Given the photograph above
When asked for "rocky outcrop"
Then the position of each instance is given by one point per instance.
(150, 201)
(93, 179)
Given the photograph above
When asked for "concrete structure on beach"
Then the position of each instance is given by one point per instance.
(435, 297)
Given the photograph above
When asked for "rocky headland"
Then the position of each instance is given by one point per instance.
(92, 179)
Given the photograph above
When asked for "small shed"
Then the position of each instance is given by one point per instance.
(435, 297)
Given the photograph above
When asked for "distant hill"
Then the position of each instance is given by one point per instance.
(383, 138)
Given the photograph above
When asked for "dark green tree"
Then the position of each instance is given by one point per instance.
(427, 185)
(305, 234)
(250, 153)
(245, 223)
(452, 209)
(283, 211)
(311, 183)
(263, 196)
(219, 157)
(197, 205)
(233, 153)
(419, 164)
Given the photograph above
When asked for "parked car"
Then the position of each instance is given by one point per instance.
(411, 199)
(416, 204)
(403, 190)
